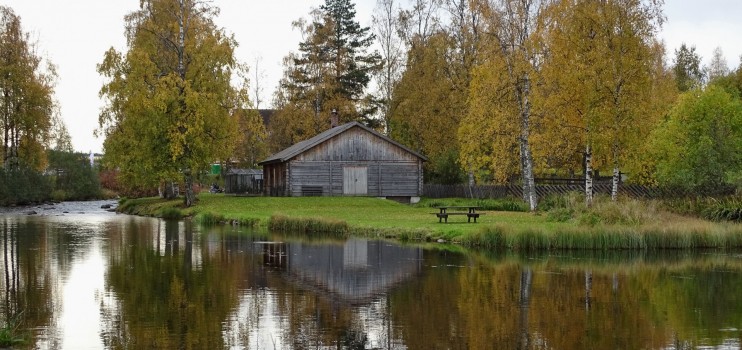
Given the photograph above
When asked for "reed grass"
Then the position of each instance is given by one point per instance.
(10, 334)
(9, 338)
(308, 225)
(686, 234)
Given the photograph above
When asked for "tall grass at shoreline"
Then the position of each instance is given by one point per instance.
(308, 225)
(651, 237)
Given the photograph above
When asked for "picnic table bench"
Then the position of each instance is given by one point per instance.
(469, 210)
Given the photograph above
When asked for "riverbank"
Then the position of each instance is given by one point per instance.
(632, 226)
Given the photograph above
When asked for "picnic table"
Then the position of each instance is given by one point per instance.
(469, 210)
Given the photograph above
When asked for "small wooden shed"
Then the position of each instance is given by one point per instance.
(243, 181)
(348, 160)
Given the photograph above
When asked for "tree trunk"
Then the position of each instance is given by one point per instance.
(614, 186)
(190, 196)
(524, 301)
(167, 190)
(526, 158)
(588, 176)
(588, 289)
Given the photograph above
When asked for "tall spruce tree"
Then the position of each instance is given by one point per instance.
(332, 69)
(687, 68)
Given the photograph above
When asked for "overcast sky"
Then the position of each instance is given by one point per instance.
(74, 34)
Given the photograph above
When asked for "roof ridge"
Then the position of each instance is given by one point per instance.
(302, 146)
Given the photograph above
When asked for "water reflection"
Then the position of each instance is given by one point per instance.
(119, 282)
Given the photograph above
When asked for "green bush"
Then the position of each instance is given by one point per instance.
(560, 215)
(171, 213)
(74, 176)
(500, 204)
(59, 195)
(624, 211)
(23, 186)
(722, 209)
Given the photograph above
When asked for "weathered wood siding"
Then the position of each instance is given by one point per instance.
(274, 179)
(391, 171)
(384, 178)
(356, 144)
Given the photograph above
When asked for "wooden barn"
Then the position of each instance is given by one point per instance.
(348, 160)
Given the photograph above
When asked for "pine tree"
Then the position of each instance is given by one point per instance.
(332, 69)
(687, 68)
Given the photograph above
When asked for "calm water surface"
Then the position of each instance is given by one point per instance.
(77, 277)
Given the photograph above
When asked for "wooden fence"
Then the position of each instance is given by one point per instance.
(516, 191)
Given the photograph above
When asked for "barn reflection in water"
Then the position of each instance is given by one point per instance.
(353, 272)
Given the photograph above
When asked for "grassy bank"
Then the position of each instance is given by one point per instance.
(631, 226)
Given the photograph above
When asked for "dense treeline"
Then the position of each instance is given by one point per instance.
(492, 91)
(506, 91)
(37, 159)
(69, 176)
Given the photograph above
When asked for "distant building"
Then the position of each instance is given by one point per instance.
(348, 160)
(243, 181)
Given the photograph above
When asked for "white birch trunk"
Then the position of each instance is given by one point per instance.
(588, 176)
(529, 185)
(614, 186)
(181, 40)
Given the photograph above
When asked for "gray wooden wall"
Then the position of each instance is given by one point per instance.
(392, 171)
(385, 179)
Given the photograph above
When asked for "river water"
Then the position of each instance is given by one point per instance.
(75, 276)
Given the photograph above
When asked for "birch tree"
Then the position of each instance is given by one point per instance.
(386, 25)
(511, 25)
(718, 67)
(26, 96)
(602, 56)
(170, 106)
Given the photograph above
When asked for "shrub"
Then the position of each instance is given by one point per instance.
(624, 211)
(500, 204)
(59, 195)
(23, 186)
(75, 176)
(171, 213)
(560, 215)
(722, 209)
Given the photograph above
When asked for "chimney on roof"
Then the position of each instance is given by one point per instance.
(334, 118)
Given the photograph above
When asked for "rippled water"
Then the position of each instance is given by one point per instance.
(78, 277)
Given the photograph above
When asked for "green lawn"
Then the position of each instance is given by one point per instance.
(360, 212)
(517, 230)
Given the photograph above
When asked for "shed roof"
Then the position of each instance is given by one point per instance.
(305, 145)
(244, 172)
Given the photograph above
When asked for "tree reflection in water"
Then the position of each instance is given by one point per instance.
(173, 285)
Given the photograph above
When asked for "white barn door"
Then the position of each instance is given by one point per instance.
(355, 180)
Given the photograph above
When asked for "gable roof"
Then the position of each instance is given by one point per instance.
(305, 145)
